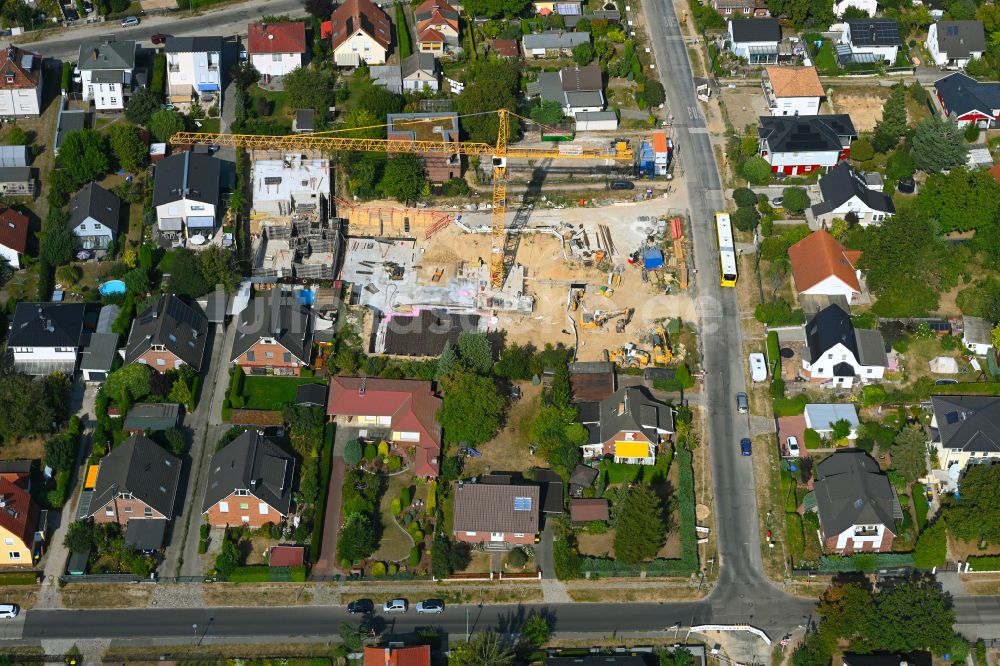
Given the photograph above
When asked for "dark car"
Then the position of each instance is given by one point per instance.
(622, 185)
(159, 38)
(906, 186)
(71, 15)
(361, 607)
(745, 447)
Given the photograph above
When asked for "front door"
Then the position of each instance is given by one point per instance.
(496, 536)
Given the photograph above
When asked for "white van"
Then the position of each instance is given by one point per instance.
(8, 610)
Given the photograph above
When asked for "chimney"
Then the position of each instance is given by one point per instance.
(94, 53)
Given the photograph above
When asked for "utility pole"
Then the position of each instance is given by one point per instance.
(466, 624)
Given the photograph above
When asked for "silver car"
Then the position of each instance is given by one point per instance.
(395, 606)
(430, 606)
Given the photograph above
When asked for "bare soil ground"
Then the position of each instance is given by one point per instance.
(960, 550)
(267, 594)
(597, 545)
(96, 595)
(508, 451)
(864, 104)
(981, 584)
(744, 105)
(22, 595)
(605, 592)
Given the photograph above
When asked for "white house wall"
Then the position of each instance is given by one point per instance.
(860, 542)
(364, 47)
(832, 286)
(276, 64)
(792, 106)
(867, 6)
(11, 255)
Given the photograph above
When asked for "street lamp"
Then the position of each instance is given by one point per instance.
(194, 628)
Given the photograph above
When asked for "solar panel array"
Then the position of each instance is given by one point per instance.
(522, 504)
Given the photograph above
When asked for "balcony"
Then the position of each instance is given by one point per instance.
(867, 531)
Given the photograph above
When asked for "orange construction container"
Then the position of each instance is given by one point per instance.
(91, 480)
(676, 228)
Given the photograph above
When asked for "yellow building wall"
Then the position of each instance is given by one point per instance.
(11, 543)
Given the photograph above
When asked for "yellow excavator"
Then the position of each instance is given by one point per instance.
(630, 356)
(601, 317)
(662, 353)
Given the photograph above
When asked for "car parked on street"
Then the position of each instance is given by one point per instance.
(9, 611)
(430, 606)
(159, 39)
(622, 185)
(361, 607)
(742, 404)
(745, 446)
(395, 606)
(130, 21)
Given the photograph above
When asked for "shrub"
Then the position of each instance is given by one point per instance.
(371, 452)
(744, 197)
(517, 558)
(812, 439)
(746, 219)
(971, 133)
(757, 171)
(873, 395)
(773, 349)
(352, 452)
(414, 556)
(862, 150)
(395, 507)
(404, 496)
(778, 312)
(378, 569)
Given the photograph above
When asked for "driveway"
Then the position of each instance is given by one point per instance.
(327, 563)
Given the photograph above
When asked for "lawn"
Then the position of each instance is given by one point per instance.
(207, 125)
(395, 544)
(273, 392)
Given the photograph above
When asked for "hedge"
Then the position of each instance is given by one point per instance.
(262, 573)
(795, 537)
(773, 351)
(864, 562)
(66, 73)
(325, 470)
(984, 562)
(19, 578)
(920, 507)
(402, 33)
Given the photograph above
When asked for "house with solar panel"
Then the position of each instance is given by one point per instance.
(869, 41)
(628, 426)
(965, 430)
(755, 40)
(795, 145)
(497, 515)
(955, 43)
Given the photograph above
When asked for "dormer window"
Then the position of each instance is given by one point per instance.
(10, 78)
(241, 492)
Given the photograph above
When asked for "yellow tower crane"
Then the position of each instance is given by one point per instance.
(499, 153)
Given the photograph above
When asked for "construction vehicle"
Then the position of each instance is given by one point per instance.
(630, 356)
(662, 353)
(438, 274)
(499, 153)
(394, 270)
(601, 317)
(575, 296)
(624, 321)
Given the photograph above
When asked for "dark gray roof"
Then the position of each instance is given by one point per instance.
(968, 422)
(145, 533)
(806, 133)
(871, 348)
(977, 330)
(305, 120)
(830, 326)
(756, 30)
(97, 54)
(15, 174)
(487, 507)
(874, 32)
(555, 39)
(187, 175)
(851, 490)
(959, 39)
(193, 45)
(582, 79)
(170, 322)
(275, 315)
(961, 94)
(310, 395)
(425, 62)
(70, 120)
(141, 467)
(251, 462)
(152, 416)
(47, 325)
(630, 408)
(96, 202)
(841, 183)
(100, 352)
(427, 333)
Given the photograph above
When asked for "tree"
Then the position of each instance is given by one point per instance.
(900, 165)
(757, 170)
(487, 648)
(548, 112)
(639, 527)
(176, 441)
(977, 516)
(311, 88)
(352, 452)
(653, 93)
(137, 281)
(494, 8)
(471, 408)
(404, 177)
(938, 145)
(128, 147)
(931, 549)
(357, 538)
(28, 407)
(380, 101)
(840, 429)
(84, 154)
(130, 381)
(910, 615)
(892, 126)
(165, 123)
(536, 629)
(447, 362)
(352, 636)
(58, 244)
(961, 200)
(320, 9)
(909, 452)
(583, 53)
(794, 199)
(862, 150)
(476, 351)
(218, 268)
(60, 452)
(515, 363)
(141, 106)
(744, 197)
(180, 392)
(746, 219)
(79, 536)
(496, 87)
(517, 558)
(995, 337)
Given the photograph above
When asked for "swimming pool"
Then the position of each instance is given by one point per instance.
(112, 287)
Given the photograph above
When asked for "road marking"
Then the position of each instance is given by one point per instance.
(697, 130)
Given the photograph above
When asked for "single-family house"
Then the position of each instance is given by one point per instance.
(17, 181)
(561, 7)
(629, 425)
(21, 86)
(107, 72)
(68, 120)
(275, 49)
(137, 481)
(194, 69)
(872, 40)
(186, 194)
(869, 7)
(46, 337)
(249, 483)
(94, 217)
(795, 145)
(19, 517)
(304, 121)
(168, 334)
(404, 409)
(839, 355)
(755, 40)
(419, 72)
(436, 26)
(151, 417)
(792, 91)
(967, 100)
(413, 655)
(588, 510)
(552, 43)
(13, 235)
(955, 43)
(274, 335)
(976, 335)
(858, 509)
(100, 351)
(821, 417)
(577, 89)
(505, 48)
(497, 515)
(746, 8)
(965, 429)
(846, 192)
(440, 167)
(822, 266)
(359, 31)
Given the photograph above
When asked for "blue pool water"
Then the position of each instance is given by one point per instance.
(306, 296)
(112, 287)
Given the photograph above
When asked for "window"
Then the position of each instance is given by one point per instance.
(128, 509)
(160, 361)
(114, 100)
(197, 208)
(8, 541)
(244, 505)
(262, 508)
(275, 57)
(223, 507)
(829, 356)
(471, 534)
(518, 534)
(250, 356)
(83, 225)
(148, 512)
(14, 555)
(241, 492)
(268, 354)
(287, 357)
(870, 370)
(109, 510)
(246, 519)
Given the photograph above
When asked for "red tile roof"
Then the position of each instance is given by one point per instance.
(354, 15)
(431, 35)
(505, 47)
(436, 17)
(435, 6)
(19, 514)
(412, 406)
(417, 655)
(23, 68)
(276, 38)
(13, 229)
(287, 556)
(819, 256)
(586, 510)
